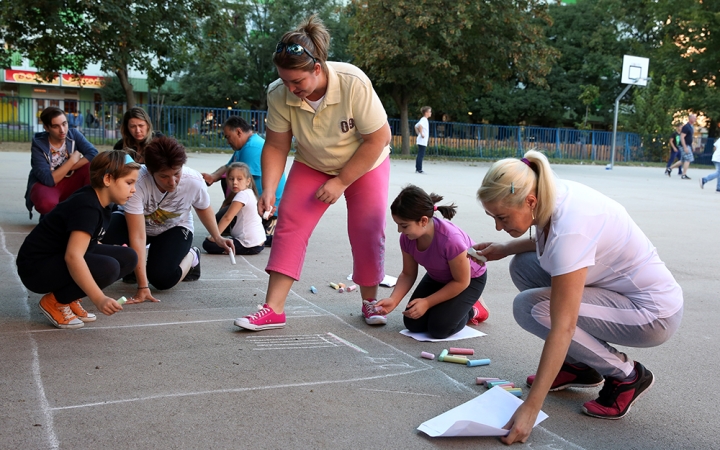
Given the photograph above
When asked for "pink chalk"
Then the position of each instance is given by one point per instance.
(483, 380)
(427, 355)
(461, 351)
(506, 385)
(351, 288)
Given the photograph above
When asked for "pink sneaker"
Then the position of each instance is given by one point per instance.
(371, 316)
(264, 319)
(480, 312)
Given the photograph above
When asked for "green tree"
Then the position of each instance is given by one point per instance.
(690, 53)
(149, 36)
(440, 50)
(235, 63)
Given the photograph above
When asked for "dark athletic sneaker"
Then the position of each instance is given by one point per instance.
(617, 397)
(572, 376)
(194, 273)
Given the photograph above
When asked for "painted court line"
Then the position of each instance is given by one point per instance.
(49, 425)
(234, 390)
(290, 342)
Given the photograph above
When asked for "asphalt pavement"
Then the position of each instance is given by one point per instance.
(178, 374)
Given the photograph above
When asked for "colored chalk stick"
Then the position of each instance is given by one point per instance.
(427, 355)
(461, 351)
(442, 356)
(122, 300)
(510, 385)
(313, 289)
(483, 380)
(515, 392)
(334, 286)
(492, 384)
(351, 288)
(455, 359)
(478, 362)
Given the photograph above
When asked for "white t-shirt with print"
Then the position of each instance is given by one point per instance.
(248, 227)
(425, 131)
(588, 229)
(165, 210)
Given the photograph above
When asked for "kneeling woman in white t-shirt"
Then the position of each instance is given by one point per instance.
(247, 230)
(591, 278)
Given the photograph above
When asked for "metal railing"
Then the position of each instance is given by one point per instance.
(202, 127)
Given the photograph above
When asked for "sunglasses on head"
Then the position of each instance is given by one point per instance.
(293, 49)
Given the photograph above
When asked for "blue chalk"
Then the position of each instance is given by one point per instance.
(313, 289)
(478, 362)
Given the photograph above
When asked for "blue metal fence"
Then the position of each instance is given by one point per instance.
(202, 127)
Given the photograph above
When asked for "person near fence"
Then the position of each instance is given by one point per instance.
(716, 174)
(422, 128)
(79, 121)
(686, 147)
(342, 148)
(61, 258)
(247, 147)
(449, 295)
(160, 214)
(137, 132)
(59, 158)
(90, 120)
(240, 214)
(589, 280)
(674, 150)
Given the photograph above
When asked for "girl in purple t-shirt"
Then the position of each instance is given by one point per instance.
(448, 296)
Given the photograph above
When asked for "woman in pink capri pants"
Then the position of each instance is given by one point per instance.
(342, 148)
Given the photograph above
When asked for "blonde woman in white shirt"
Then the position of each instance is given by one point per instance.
(590, 279)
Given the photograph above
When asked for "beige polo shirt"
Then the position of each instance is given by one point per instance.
(327, 138)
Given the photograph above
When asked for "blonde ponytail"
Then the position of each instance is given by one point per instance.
(509, 181)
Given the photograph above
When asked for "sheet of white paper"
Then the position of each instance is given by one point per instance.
(387, 281)
(485, 415)
(465, 333)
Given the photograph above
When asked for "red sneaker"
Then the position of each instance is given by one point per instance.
(571, 376)
(480, 312)
(617, 397)
(264, 319)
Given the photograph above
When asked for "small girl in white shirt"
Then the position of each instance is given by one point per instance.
(247, 232)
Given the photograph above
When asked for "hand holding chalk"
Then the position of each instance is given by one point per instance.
(472, 252)
(232, 258)
(266, 214)
(121, 300)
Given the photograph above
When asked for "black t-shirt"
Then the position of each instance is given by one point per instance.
(688, 130)
(675, 139)
(82, 211)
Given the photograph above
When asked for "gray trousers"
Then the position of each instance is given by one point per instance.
(603, 318)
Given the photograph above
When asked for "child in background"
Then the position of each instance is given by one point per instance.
(61, 257)
(448, 296)
(247, 232)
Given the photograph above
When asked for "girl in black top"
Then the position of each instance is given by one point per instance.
(61, 257)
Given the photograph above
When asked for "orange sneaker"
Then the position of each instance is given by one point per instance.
(80, 312)
(59, 314)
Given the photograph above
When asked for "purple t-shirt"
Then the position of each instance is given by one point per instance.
(448, 242)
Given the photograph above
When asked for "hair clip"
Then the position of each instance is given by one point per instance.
(512, 188)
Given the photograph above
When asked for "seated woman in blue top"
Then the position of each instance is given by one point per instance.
(59, 162)
(448, 296)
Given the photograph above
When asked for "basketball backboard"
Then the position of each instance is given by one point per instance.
(635, 70)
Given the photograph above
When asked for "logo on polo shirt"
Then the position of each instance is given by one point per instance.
(347, 125)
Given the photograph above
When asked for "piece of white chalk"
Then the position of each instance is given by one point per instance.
(472, 252)
(121, 300)
(266, 214)
(232, 258)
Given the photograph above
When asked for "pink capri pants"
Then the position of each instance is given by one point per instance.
(300, 213)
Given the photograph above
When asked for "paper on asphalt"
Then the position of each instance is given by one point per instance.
(485, 415)
(465, 333)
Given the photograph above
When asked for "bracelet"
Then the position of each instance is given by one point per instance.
(143, 287)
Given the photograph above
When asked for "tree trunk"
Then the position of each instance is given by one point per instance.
(402, 100)
(127, 87)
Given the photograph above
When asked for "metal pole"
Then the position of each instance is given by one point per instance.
(614, 137)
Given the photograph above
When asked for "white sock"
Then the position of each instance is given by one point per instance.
(196, 258)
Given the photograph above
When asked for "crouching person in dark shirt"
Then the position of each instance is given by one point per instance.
(62, 258)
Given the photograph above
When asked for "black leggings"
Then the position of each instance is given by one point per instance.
(167, 250)
(213, 248)
(450, 316)
(107, 264)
